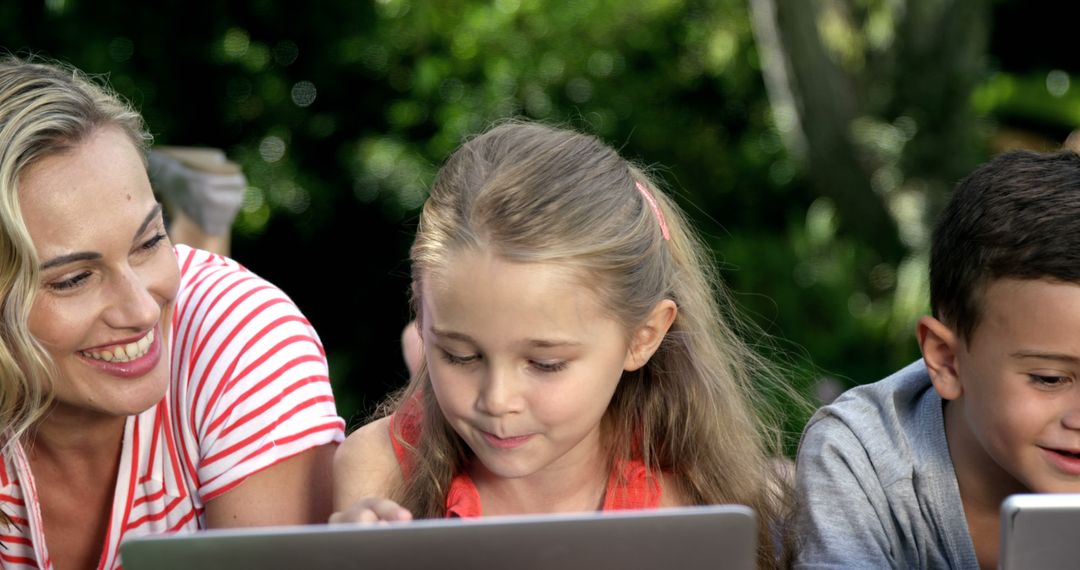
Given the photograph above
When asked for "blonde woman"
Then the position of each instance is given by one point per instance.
(575, 356)
(143, 388)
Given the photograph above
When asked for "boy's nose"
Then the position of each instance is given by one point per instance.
(1071, 419)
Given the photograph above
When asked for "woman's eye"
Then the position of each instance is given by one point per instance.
(458, 359)
(69, 283)
(549, 366)
(152, 243)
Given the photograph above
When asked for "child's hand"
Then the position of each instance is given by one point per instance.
(372, 510)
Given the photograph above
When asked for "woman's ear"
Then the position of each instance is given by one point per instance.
(648, 336)
(939, 344)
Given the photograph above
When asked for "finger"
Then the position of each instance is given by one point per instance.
(388, 510)
(345, 517)
(371, 510)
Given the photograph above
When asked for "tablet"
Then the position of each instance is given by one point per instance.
(710, 537)
(1040, 531)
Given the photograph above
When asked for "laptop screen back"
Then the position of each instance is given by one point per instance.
(688, 538)
(1040, 531)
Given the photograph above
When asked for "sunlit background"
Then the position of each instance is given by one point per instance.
(813, 141)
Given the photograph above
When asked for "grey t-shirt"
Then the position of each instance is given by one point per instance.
(875, 482)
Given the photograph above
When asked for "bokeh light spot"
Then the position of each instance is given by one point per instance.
(272, 149)
(303, 93)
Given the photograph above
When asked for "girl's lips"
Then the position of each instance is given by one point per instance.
(134, 368)
(506, 442)
(1064, 460)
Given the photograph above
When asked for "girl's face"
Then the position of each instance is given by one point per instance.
(108, 276)
(523, 362)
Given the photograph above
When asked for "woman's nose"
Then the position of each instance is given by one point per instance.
(133, 304)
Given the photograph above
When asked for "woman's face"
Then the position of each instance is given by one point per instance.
(108, 276)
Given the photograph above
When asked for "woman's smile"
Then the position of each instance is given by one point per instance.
(126, 359)
(123, 351)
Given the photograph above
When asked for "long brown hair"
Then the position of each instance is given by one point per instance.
(535, 194)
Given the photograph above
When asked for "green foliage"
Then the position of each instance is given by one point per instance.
(340, 114)
(1043, 98)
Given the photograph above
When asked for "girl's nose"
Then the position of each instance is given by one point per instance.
(497, 395)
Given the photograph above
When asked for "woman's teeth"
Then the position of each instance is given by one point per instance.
(124, 352)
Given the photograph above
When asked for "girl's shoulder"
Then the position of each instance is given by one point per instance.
(671, 492)
(779, 479)
(365, 465)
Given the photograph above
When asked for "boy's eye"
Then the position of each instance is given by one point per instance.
(1048, 379)
(549, 366)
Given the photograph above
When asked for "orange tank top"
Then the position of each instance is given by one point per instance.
(629, 485)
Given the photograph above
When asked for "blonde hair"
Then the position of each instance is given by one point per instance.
(535, 194)
(45, 109)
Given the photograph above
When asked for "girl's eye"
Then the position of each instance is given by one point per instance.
(152, 243)
(69, 283)
(1048, 380)
(549, 366)
(459, 360)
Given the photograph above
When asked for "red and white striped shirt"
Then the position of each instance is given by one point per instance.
(250, 389)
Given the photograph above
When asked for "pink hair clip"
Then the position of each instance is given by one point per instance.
(655, 209)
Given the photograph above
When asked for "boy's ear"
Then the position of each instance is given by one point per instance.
(647, 337)
(939, 345)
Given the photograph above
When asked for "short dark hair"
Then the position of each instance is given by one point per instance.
(1016, 216)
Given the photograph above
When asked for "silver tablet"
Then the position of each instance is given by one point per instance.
(1040, 531)
(687, 538)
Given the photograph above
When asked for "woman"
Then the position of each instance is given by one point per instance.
(142, 388)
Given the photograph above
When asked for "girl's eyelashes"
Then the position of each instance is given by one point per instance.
(458, 359)
(548, 367)
(465, 360)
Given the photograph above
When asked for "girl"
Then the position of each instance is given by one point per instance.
(575, 355)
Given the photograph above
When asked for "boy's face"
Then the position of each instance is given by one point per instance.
(1019, 380)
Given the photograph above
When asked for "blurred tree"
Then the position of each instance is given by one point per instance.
(874, 98)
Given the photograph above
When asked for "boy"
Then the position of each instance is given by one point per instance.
(910, 472)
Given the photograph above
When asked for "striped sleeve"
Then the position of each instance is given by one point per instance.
(16, 549)
(257, 389)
